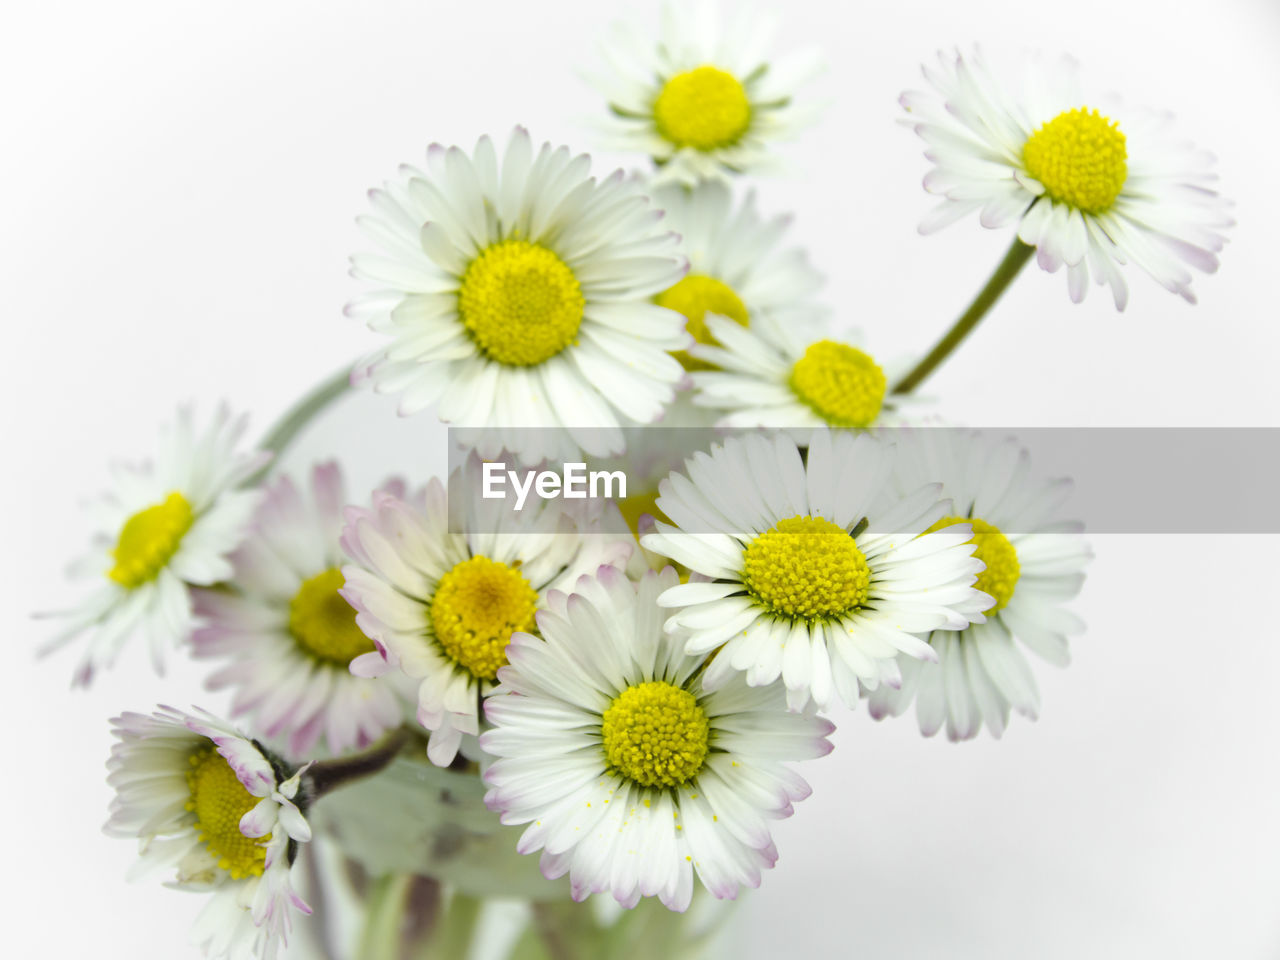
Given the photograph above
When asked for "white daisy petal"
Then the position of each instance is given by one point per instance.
(174, 524)
(290, 640)
(463, 338)
(793, 593)
(981, 675)
(659, 777)
(659, 90)
(1086, 189)
(175, 777)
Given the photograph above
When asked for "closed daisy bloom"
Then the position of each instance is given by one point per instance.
(736, 268)
(441, 607)
(631, 775)
(1034, 561)
(208, 804)
(1090, 185)
(165, 527)
(289, 635)
(810, 569)
(517, 293)
(787, 381)
(705, 100)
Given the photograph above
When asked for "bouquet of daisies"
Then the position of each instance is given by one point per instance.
(451, 711)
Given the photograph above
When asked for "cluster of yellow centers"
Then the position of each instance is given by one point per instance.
(323, 624)
(840, 383)
(695, 296)
(520, 303)
(219, 800)
(1079, 156)
(656, 735)
(149, 539)
(994, 549)
(476, 608)
(704, 108)
(806, 568)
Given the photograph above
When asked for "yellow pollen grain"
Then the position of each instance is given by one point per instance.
(219, 800)
(520, 303)
(704, 108)
(1079, 156)
(476, 608)
(323, 624)
(149, 539)
(656, 735)
(806, 568)
(994, 549)
(840, 383)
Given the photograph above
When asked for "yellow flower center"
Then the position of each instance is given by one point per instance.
(149, 539)
(806, 567)
(323, 624)
(656, 735)
(520, 303)
(994, 549)
(695, 296)
(840, 383)
(704, 108)
(219, 800)
(1079, 156)
(477, 606)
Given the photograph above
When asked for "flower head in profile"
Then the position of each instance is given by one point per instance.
(810, 569)
(736, 268)
(705, 99)
(632, 776)
(517, 293)
(165, 527)
(288, 634)
(209, 805)
(1090, 185)
(442, 606)
(1034, 561)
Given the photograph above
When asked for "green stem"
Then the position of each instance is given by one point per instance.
(1014, 260)
(384, 916)
(299, 415)
(453, 932)
(325, 776)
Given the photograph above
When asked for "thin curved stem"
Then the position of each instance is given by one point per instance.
(324, 776)
(1014, 260)
(287, 428)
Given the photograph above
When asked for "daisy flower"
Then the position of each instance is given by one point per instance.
(1034, 563)
(517, 293)
(809, 569)
(165, 527)
(289, 635)
(789, 382)
(207, 803)
(735, 267)
(706, 100)
(442, 606)
(631, 774)
(1092, 189)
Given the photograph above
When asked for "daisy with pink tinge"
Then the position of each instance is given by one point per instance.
(286, 634)
(207, 805)
(634, 778)
(441, 606)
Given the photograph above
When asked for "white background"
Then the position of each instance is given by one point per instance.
(179, 186)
